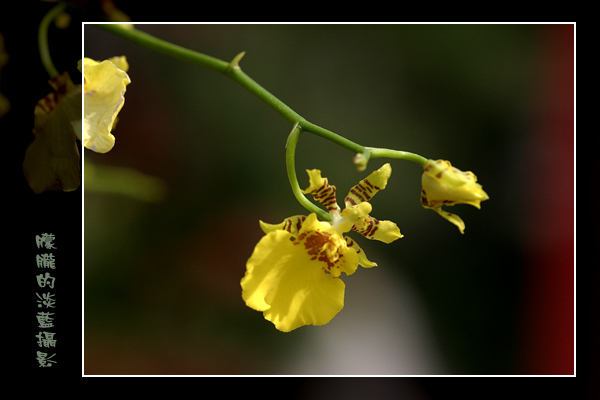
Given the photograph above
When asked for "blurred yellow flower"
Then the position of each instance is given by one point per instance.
(293, 274)
(52, 159)
(104, 94)
(4, 103)
(444, 184)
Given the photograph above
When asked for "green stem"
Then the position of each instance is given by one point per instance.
(229, 69)
(43, 37)
(162, 46)
(290, 163)
(334, 137)
(283, 109)
(403, 155)
(233, 71)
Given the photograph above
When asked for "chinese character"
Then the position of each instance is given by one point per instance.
(45, 240)
(45, 362)
(47, 279)
(46, 339)
(45, 260)
(46, 299)
(44, 319)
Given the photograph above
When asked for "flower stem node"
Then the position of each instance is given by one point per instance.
(292, 275)
(235, 63)
(444, 184)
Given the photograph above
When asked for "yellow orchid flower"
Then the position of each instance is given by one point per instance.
(52, 160)
(293, 274)
(104, 89)
(444, 184)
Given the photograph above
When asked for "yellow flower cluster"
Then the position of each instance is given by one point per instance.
(293, 274)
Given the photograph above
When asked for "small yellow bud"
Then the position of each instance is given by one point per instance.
(444, 184)
(361, 161)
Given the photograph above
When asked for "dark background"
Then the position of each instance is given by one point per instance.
(162, 278)
(24, 81)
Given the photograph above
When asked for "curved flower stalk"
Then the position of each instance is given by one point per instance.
(293, 274)
(104, 95)
(444, 184)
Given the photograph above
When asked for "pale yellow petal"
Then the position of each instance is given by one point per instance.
(104, 89)
(387, 232)
(363, 261)
(120, 62)
(453, 218)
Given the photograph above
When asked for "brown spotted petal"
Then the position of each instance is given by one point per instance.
(290, 224)
(444, 184)
(358, 207)
(369, 227)
(368, 187)
(321, 190)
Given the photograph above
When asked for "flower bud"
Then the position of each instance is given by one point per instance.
(444, 184)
